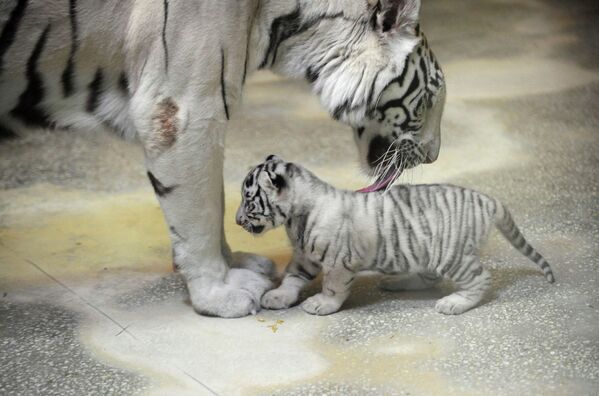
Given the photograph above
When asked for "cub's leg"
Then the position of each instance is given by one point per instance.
(417, 281)
(336, 285)
(473, 280)
(297, 275)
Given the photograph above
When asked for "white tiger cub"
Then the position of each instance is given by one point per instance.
(427, 231)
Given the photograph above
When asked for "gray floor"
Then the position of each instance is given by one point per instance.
(83, 314)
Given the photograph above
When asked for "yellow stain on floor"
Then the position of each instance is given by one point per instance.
(72, 233)
(389, 362)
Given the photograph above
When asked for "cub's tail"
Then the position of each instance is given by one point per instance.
(505, 223)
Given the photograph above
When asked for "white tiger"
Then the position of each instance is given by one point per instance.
(424, 231)
(170, 74)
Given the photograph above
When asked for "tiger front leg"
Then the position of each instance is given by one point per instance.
(184, 160)
(336, 285)
(297, 275)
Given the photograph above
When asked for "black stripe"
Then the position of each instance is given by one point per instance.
(324, 253)
(27, 109)
(222, 82)
(301, 229)
(176, 233)
(164, 34)
(160, 189)
(287, 26)
(9, 32)
(399, 102)
(536, 257)
(69, 72)
(395, 236)
(94, 88)
(389, 18)
(372, 90)
(124, 83)
(340, 110)
(312, 74)
(247, 56)
(6, 133)
(281, 28)
(304, 274)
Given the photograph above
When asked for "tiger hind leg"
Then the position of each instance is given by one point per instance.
(417, 281)
(473, 281)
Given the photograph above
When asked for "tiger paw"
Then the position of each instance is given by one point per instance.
(222, 299)
(321, 304)
(280, 298)
(454, 304)
(253, 283)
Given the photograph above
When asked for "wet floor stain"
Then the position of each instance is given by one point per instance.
(388, 365)
(107, 233)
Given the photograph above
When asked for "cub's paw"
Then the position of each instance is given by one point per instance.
(253, 262)
(453, 305)
(320, 304)
(279, 299)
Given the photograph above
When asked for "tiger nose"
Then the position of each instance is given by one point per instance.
(239, 217)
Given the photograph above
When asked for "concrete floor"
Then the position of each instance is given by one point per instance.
(89, 305)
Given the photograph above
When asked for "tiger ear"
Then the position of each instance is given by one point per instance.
(396, 15)
(279, 182)
(276, 182)
(272, 157)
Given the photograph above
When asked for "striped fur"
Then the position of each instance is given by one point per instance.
(170, 74)
(428, 232)
(79, 63)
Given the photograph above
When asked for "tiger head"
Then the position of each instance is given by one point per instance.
(372, 68)
(264, 204)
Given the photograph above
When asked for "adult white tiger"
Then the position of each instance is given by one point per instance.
(170, 73)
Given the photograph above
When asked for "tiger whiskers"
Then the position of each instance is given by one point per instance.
(383, 162)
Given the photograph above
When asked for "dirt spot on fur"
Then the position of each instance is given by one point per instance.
(165, 123)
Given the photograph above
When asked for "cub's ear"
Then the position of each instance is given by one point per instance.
(395, 15)
(274, 181)
(273, 158)
(279, 182)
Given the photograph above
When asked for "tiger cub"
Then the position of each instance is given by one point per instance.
(428, 232)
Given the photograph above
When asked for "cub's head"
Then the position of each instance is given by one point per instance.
(264, 197)
(372, 68)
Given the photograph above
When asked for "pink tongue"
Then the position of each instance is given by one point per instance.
(379, 184)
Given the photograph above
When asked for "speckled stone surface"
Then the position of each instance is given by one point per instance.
(89, 305)
(40, 353)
